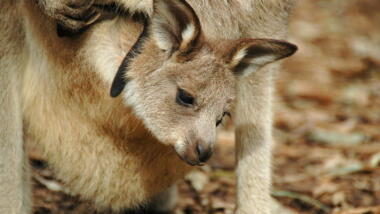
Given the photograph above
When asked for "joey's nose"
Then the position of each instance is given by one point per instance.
(204, 152)
(194, 153)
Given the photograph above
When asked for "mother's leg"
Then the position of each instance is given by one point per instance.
(253, 122)
(14, 178)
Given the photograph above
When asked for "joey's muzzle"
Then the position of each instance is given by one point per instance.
(194, 153)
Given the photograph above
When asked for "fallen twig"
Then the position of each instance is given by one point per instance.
(301, 197)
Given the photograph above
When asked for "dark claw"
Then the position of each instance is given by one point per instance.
(75, 19)
(65, 32)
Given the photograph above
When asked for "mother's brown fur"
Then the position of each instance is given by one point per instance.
(64, 123)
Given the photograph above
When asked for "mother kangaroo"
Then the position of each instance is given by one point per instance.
(189, 64)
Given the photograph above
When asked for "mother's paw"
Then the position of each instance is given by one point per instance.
(72, 16)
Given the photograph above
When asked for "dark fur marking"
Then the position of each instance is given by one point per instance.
(239, 68)
(64, 32)
(120, 80)
(279, 49)
(184, 17)
(114, 8)
(108, 11)
(180, 15)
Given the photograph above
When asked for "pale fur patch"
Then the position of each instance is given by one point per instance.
(104, 61)
(188, 34)
(239, 56)
(145, 6)
(131, 98)
(160, 34)
(255, 63)
(258, 62)
(162, 38)
(263, 60)
(180, 146)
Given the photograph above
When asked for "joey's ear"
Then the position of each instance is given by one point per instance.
(120, 79)
(175, 26)
(245, 56)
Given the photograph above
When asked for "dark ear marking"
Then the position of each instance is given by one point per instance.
(239, 68)
(120, 79)
(176, 27)
(248, 55)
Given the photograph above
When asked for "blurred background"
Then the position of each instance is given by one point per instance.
(327, 124)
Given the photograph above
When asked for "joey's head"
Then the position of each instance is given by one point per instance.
(182, 84)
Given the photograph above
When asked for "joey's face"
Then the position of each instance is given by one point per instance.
(181, 84)
(182, 103)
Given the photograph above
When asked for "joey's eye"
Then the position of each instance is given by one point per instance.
(184, 98)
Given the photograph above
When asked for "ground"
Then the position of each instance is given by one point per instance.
(327, 125)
